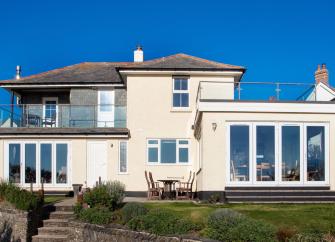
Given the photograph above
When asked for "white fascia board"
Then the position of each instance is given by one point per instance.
(267, 107)
(212, 73)
(62, 85)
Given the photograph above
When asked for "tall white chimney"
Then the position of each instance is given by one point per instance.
(18, 72)
(138, 54)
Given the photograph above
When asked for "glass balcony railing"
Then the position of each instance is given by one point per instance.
(256, 91)
(62, 116)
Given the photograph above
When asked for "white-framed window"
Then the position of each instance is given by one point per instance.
(50, 112)
(37, 162)
(181, 92)
(168, 151)
(277, 153)
(123, 157)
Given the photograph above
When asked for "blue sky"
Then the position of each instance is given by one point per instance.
(276, 40)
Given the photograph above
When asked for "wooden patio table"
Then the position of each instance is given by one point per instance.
(170, 194)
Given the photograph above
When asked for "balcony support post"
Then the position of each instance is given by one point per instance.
(11, 109)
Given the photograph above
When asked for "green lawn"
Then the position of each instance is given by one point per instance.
(49, 199)
(300, 217)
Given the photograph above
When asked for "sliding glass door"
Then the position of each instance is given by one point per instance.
(277, 153)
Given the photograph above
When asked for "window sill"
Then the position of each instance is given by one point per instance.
(123, 173)
(168, 164)
(181, 110)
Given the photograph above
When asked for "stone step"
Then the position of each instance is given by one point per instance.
(56, 222)
(279, 199)
(64, 208)
(279, 193)
(53, 231)
(50, 238)
(61, 215)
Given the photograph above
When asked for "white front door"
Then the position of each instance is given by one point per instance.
(96, 162)
(105, 108)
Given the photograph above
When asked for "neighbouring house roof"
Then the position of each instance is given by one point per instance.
(108, 72)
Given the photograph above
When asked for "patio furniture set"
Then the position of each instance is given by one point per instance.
(171, 189)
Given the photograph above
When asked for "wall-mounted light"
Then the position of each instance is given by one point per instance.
(214, 126)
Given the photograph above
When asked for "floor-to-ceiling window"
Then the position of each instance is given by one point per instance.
(239, 153)
(37, 162)
(277, 153)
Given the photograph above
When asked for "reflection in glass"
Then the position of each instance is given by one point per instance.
(123, 157)
(265, 153)
(46, 162)
(315, 153)
(168, 151)
(30, 163)
(239, 153)
(290, 153)
(14, 163)
(61, 163)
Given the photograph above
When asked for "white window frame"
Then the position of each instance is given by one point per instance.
(38, 163)
(278, 157)
(119, 165)
(228, 154)
(181, 92)
(45, 99)
(177, 151)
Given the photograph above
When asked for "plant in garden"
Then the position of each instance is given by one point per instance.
(228, 225)
(97, 215)
(132, 210)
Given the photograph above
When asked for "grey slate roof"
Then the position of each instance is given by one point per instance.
(108, 72)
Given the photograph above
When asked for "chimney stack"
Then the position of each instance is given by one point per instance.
(138, 54)
(321, 75)
(18, 72)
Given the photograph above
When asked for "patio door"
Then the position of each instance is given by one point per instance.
(265, 161)
(96, 162)
(50, 112)
(105, 108)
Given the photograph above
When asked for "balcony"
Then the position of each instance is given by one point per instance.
(62, 116)
(256, 91)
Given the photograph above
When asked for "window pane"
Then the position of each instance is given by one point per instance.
(168, 151)
(153, 155)
(183, 142)
(30, 163)
(123, 157)
(177, 84)
(239, 153)
(14, 163)
(152, 142)
(184, 99)
(183, 155)
(61, 163)
(184, 84)
(50, 109)
(265, 153)
(290, 153)
(106, 101)
(315, 153)
(46, 162)
(176, 99)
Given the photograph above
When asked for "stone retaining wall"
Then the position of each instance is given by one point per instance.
(83, 232)
(17, 225)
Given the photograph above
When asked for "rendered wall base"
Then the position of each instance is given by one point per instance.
(83, 232)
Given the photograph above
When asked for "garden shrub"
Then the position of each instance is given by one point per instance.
(162, 222)
(109, 195)
(18, 197)
(97, 215)
(132, 210)
(228, 225)
(285, 234)
(214, 198)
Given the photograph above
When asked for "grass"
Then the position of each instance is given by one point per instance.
(49, 199)
(300, 217)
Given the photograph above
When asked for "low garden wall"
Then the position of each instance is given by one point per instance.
(17, 225)
(89, 232)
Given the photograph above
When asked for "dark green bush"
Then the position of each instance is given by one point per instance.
(132, 210)
(20, 198)
(109, 195)
(228, 225)
(97, 215)
(162, 222)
